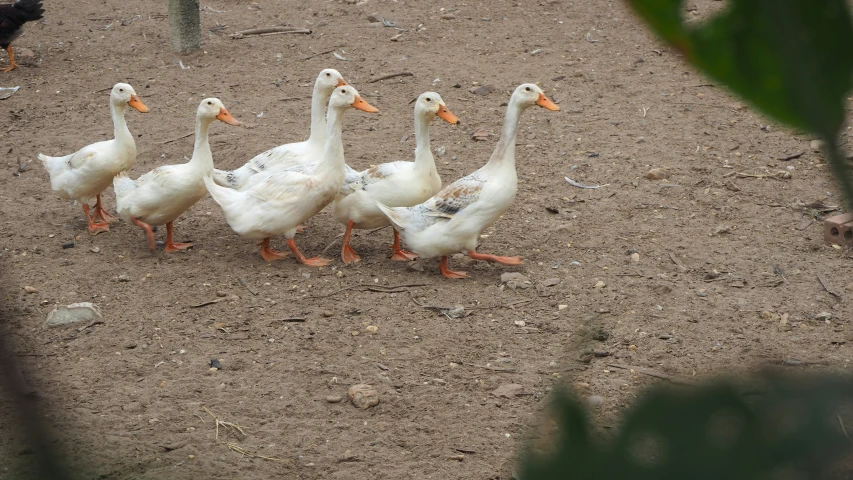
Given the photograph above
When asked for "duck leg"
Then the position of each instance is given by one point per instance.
(171, 246)
(101, 215)
(12, 64)
(148, 232)
(348, 255)
(442, 265)
(314, 262)
(494, 258)
(399, 253)
(94, 227)
(269, 254)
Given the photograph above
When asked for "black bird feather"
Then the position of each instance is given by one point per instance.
(12, 19)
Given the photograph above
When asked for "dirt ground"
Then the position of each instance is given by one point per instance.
(724, 239)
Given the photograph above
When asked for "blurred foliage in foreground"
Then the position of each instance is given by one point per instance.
(784, 428)
(793, 60)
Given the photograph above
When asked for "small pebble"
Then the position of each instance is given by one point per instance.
(334, 398)
(635, 257)
(599, 285)
(816, 145)
(372, 328)
(68, 245)
(123, 278)
(657, 174)
(520, 323)
(95, 249)
(363, 395)
(220, 293)
(51, 235)
(214, 364)
(562, 307)
(328, 313)
(30, 289)
(595, 401)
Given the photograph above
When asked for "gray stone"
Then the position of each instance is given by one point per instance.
(73, 313)
(515, 280)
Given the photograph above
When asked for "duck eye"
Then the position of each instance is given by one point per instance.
(343, 90)
(210, 103)
(328, 74)
(121, 90)
(428, 99)
(527, 88)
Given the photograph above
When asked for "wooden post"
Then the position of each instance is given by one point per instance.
(184, 25)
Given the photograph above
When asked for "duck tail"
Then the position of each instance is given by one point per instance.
(396, 215)
(51, 163)
(122, 184)
(222, 195)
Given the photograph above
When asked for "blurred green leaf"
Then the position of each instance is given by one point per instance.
(790, 430)
(792, 59)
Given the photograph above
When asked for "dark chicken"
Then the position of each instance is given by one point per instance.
(12, 19)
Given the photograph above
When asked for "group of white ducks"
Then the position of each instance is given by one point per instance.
(280, 189)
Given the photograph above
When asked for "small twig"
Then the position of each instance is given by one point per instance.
(494, 369)
(373, 288)
(393, 75)
(693, 103)
(246, 284)
(653, 373)
(268, 31)
(243, 451)
(34, 354)
(791, 157)
(843, 430)
(209, 302)
(825, 284)
(176, 139)
(294, 319)
(321, 53)
(223, 423)
(797, 363)
(580, 185)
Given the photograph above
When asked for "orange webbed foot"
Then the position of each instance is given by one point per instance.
(316, 261)
(403, 256)
(494, 258)
(446, 272)
(175, 247)
(269, 254)
(348, 255)
(96, 228)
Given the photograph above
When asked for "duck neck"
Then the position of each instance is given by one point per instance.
(120, 130)
(333, 152)
(319, 100)
(423, 154)
(504, 154)
(202, 157)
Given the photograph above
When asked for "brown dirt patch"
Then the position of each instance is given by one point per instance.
(126, 398)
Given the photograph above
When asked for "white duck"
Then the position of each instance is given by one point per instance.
(87, 172)
(277, 203)
(291, 154)
(163, 194)
(451, 221)
(396, 184)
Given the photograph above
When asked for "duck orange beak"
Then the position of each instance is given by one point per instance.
(546, 103)
(136, 103)
(341, 83)
(362, 105)
(226, 117)
(448, 117)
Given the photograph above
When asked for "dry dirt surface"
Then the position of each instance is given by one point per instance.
(714, 269)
